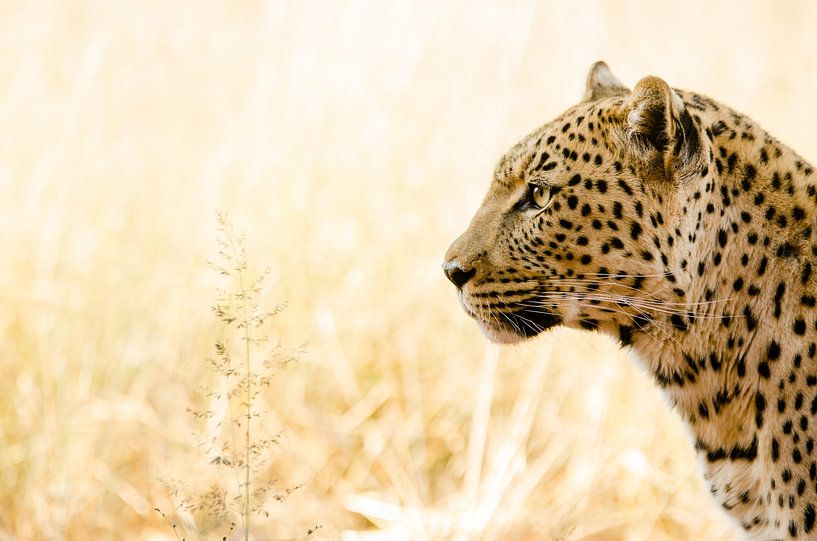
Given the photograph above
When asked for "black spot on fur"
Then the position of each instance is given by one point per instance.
(808, 518)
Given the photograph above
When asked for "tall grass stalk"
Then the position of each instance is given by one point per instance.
(243, 296)
(237, 442)
(239, 308)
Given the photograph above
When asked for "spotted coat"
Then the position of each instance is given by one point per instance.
(683, 229)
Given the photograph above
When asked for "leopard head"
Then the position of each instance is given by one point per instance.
(582, 224)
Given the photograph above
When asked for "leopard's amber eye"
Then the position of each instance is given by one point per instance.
(539, 195)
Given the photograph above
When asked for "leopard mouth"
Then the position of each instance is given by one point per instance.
(513, 326)
(527, 323)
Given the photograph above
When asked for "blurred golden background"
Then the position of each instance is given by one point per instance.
(352, 141)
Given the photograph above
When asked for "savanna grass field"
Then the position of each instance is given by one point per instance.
(351, 142)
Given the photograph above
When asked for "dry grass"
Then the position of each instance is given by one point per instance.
(353, 142)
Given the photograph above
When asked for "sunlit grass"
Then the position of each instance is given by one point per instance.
(352, 142)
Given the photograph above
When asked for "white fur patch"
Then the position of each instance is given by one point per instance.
(677, 102)
(604, 77)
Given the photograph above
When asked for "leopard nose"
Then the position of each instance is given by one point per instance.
(456, 274)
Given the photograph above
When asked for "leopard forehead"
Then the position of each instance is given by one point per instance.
(588, 133)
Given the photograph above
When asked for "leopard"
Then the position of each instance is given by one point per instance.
(685, 231)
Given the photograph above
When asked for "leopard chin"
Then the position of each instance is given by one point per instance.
(499, 335)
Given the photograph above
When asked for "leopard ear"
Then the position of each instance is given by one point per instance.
(601, 83)
(660, 127)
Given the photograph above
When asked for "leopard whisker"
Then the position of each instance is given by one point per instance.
(580, 282)
(655, 323)
(634, 303)
(575, 282)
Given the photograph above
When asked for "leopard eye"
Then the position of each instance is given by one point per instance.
(539, 196)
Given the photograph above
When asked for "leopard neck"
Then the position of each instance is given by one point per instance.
(745, 260)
